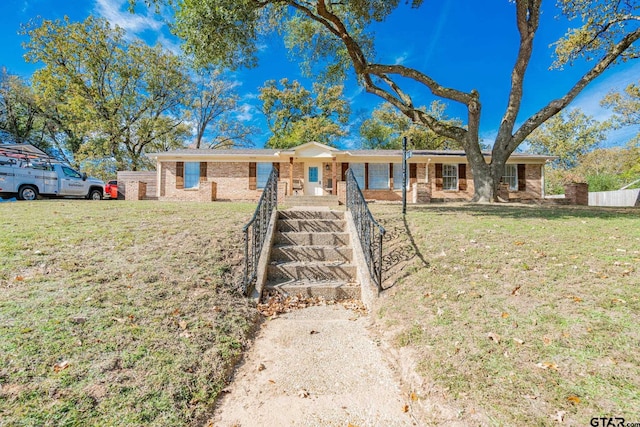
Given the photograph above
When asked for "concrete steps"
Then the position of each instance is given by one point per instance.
(330, 201)
(312, 256)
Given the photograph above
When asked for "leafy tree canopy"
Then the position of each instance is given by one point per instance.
(387, 127)
(568, 135)
(295, 114)
(626, 108)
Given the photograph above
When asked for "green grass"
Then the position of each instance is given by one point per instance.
(139, 300)
(513, 313)
(520, 311)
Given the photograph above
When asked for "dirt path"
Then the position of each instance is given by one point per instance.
(317, 366)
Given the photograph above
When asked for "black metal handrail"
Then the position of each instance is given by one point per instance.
(370, 233)
(255, 231)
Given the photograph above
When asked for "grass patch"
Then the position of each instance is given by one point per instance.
(527, 312)
(118, 313)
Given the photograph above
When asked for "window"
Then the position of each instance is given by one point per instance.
(70, 172)
(358, 172)
(379, 176)
(511, 176)
(450, 177)
(397, 176)
(264, 169)
(191, 174)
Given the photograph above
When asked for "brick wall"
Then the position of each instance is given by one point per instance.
(382, 195)
(135, 190)
(533, 178)
(420, 193)
(577, 193)
(231, 182)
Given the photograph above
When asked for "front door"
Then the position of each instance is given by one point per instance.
(313, 181)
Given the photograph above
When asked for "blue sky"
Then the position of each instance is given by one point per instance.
(463, 44)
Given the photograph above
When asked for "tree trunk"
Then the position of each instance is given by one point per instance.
(487, 177)
(484, 189)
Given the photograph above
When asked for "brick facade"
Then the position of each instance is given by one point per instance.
(230, 181)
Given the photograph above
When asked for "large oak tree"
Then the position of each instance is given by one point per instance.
(337, 33)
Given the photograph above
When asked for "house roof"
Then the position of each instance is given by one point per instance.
(317, 150)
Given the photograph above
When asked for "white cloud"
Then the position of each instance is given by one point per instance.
(245, 112)
(351, 143)
(399, 60)
(172, 45)
(115, 11)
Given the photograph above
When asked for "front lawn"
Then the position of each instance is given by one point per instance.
(118, 313)
(518, 315)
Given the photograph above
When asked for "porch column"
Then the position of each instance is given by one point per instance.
(290, 189)
(334, 176)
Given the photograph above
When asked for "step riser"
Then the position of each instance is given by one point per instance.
(312, 225)
(306, 253)
(312, 272)
(346, 291)
(311, 215)
(312, 201)
(320, 239)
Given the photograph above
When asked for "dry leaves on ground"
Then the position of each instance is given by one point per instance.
(275, 303)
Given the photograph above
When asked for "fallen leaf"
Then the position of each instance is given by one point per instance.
(504, 315)
(618, 301)
(577, 299)
(574, 399)
(413, 396)
(182, 324)
(515, 292)
(405, 408)
(19, 278)
(61, 366)
(175, 312)
(303, 393)
(546, 340)
(547, 365)
(519, 243)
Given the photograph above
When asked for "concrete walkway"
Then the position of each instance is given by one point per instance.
(316, 366)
